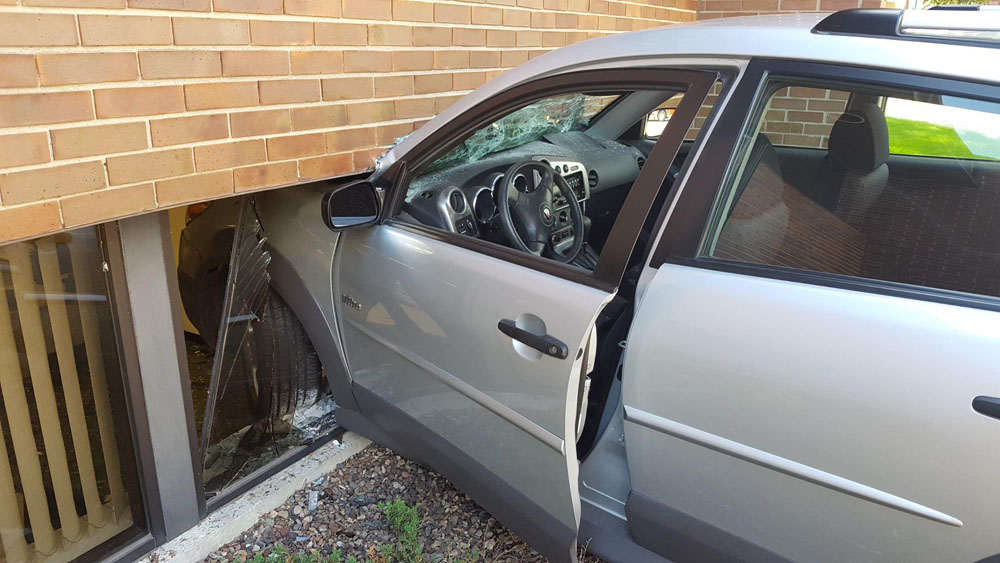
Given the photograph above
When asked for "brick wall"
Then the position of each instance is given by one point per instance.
(803, 117)
(114, 107)
(708, 9)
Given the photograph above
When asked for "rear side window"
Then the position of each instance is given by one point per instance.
(890, 185)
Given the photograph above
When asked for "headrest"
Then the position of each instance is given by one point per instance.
(860, 138)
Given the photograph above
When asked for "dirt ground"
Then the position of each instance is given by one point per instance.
(346, 517)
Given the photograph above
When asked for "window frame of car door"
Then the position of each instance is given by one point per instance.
(695, 214)
(694, 83)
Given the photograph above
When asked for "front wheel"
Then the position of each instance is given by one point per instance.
(282, 371)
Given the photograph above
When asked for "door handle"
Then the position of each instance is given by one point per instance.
(546, 344)
(989, 406)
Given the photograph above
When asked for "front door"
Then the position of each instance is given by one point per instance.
(465, 329)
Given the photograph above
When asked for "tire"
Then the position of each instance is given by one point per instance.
(282, 371)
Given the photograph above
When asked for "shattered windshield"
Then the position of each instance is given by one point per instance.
(558, 114)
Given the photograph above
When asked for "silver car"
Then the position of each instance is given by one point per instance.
(766, 330)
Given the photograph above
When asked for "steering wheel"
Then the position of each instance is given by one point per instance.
(529, 217)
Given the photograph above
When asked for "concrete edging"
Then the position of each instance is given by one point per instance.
(226, 523)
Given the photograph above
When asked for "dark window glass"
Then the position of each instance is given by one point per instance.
(68, 479)
(893, 185)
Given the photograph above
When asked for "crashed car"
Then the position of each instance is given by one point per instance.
(768, 333)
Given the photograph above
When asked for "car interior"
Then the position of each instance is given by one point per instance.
(873, 201)
(826, 194)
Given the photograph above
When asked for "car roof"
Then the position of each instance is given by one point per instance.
(781, 36)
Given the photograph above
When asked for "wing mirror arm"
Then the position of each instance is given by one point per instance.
(351, 206)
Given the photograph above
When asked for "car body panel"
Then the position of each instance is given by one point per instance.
(419, 319)
(822, 423)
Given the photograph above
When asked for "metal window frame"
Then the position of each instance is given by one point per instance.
(141, 270)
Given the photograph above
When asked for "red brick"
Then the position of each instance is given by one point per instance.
(289, 91)
(180, 64)
(127, 102)
(341, 34)
(320, 117)
(37, 29)
(348, 88)
(249, 6)
(211, 31)
(183, 5)
(229, 155)
(347, 140)
(267, 175)
(255, 63)
(125, 30)
(325, 166)
(220, 95)
(81, 68)
(188, 129)
(194, 188)
(129, 169)
(317, 62)
(98, 140)
(327, 8)
(17, 71)
(23, 149)
(29, 220)
(254, 123)
(281, 33)
(50, 107)
(368, 9)
(47, 183)
(99, 206)
(296, 146)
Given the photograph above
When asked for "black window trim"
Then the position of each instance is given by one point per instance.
(695, 83)
(697, 206)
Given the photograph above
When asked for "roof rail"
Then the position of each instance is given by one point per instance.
(953, 24)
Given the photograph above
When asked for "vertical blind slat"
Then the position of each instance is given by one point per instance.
(98, 376)
(25, 449)
(14, 548)
(48, 262)
(41, 381)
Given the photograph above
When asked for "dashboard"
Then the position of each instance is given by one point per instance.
(463, 199)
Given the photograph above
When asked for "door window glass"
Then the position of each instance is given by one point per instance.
(534, 155)
(68, 479)
(842, 202)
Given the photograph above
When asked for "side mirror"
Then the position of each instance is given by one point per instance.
(351, 206)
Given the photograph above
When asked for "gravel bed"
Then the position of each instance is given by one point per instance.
(346, 516)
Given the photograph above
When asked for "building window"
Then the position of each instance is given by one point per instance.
(67, 473)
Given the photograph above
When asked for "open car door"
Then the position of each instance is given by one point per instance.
(466, 355)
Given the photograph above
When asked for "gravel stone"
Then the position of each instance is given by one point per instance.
(347, 516)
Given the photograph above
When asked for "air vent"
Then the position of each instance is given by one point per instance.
(427, 195)
(640, 161)
(592, 178)
(456, 201)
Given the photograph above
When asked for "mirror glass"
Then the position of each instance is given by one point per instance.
(353, 205)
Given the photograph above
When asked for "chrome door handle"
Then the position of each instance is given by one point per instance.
(989, 406)
(546, 344)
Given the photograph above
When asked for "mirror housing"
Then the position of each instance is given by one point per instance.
(351, 206)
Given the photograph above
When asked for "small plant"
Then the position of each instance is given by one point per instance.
(405, 522)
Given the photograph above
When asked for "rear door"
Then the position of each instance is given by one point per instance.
(812, 372)
(435, 378)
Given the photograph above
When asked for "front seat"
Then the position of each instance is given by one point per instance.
(855, 172)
